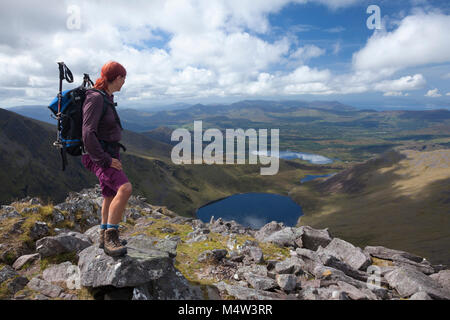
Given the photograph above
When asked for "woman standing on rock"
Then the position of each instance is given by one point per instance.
(102, 132)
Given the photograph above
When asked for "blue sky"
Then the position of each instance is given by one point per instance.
(199, 51)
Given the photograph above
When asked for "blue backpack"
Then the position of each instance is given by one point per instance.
(70, 116)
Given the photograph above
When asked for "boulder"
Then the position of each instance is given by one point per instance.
(59, 272)
(390, 254)
(331, 261)
(287, 282)
(268, 229)
(253, 252)
(254, 269)
(148, 268)
(312, 239)
(259, 282)
(62, 243)
(39, 230)
(408, 281)
(22, 260)
(330, 276)
(443, 278)
(285, 237)
(7, 273)
(93, 233)
(212, 256)
(348, 253)
(17, 284)
(57, 216)
(356, 293)
(45, 287)
(292, 265)
(243, 293)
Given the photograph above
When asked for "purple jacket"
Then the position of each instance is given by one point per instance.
(94, 130)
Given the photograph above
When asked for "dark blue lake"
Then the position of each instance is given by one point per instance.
(253, 209)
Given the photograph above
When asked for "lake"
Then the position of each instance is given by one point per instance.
(290, 155)
(253, 209)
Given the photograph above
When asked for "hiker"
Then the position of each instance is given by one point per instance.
(101, 136)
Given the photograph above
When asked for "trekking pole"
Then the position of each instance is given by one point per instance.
(64, 74)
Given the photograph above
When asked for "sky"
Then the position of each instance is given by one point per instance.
(223, 51)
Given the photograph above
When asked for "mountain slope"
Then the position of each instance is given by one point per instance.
(401, 200)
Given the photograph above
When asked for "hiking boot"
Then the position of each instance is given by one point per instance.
(112, 246)
(101, 243)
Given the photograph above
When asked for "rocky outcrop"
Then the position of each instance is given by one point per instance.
(167, 252)
(72, 242)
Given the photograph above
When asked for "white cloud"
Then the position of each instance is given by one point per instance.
(306, 53)
(447, 94)
(206, 49)
(433, 93)
(420, 39)
(394, 94)
(414, 82)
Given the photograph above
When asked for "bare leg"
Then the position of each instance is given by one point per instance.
(105, 209)
(118, 204)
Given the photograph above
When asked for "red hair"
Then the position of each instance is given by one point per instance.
(110, 71)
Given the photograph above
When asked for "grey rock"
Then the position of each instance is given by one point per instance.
(143, 264)
(57, 216)
(268, 229)
(424, 266)
(259, 282)
(420, 296)
(62, 243)
(292, 265)
(7, 212)
(22, 260)
(286, 282)
(93, 233)
(142, 242)
(7, 273)
(313, 238)
(443, 278)
(44, 287)
(243, 293)
(59, 273)
(90, 211)
(98, 269)
(330, 276)
(30, 211)
(17, 227)
(212, 256)
(408, 281)
(285, 237)
(356, 293)
(17, 284)
(132, 213)
(390, 254)
(331, 261)
(348, 253)
(253, 252)
(39, 230)
(254, 269)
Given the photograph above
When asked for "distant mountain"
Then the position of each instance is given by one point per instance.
(41, 113)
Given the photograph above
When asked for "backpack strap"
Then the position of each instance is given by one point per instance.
(107, 102)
